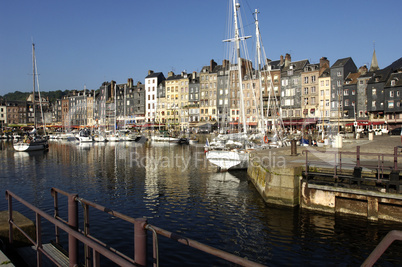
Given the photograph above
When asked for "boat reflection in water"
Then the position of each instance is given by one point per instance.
(176, 189)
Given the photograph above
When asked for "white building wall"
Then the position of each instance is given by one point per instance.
(151, 85)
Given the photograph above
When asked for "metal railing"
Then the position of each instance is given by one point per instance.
(382, 247)
(93, 247)
(384, 166)
(74, 236)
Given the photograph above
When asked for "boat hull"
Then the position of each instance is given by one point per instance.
(228, 160)
(165, 139)
(33, 146)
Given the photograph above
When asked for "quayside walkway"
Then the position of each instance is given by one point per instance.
(94, 250)
(363, 177)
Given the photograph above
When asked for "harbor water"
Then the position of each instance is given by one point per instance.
(175, 188)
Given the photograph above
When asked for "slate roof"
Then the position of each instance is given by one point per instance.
(154, 75)
(297, 65)
(380, 76)
(397, 64)
(175, 77)
(325, 73)
(341, 62)
(275, 65)
(398, 80)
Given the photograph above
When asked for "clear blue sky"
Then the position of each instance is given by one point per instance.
(88, 42)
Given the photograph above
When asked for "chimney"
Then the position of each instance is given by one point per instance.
(112, 85)
(363, 69)
(130, 82)
(281, 62)
(324, 64)
(212, 65)
(194, 75)
(225, 63)
(150, 72)
(288, 59)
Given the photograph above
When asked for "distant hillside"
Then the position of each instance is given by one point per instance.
(22, 96)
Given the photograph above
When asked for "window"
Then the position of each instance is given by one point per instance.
(346, 92)
(346, 102)
(353, 92)
(313, 89)
(391, 104)
(339, 74)
(391, 93)
(322, 83)
(374, 91)
(393, 83)
(373, 103)
(313, 100)
(306, 90)
(313, 79)
(305, 79)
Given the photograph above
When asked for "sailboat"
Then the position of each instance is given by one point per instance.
(32, 141)
(231, 151)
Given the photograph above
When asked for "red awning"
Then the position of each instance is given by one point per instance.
(366, 123)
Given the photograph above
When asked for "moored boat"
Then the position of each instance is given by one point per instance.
(31, 144)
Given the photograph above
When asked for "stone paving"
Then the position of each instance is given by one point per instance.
(383, 144)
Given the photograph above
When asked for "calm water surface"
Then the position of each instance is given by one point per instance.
(177, 190)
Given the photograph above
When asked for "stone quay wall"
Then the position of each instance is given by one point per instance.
(277, 176)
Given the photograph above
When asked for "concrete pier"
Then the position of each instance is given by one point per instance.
(23, 222)
(277, 176)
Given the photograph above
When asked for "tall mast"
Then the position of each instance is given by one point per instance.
(125, 95)
(236, 6)
(257, 36)
(115, 108)
(33, 77)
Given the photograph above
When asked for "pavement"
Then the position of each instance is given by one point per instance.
(381, 144)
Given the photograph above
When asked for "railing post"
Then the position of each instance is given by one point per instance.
(395, 158)
(140, 242)
(10, 217)
(56, 213)
(358, 156)
(306, 163)
(73, 223)
(38, 240)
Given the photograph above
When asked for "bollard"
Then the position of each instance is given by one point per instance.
(73, 223)
(140, 242)
(293, 148)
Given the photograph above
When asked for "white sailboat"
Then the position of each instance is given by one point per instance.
(232, 151)
(32, 141)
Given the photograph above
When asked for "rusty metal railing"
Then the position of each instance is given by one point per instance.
(382, 163)
(382, 247)
(73, 236)
(97, 247)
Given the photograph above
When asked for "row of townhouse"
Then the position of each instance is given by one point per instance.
(24, 112)
(300, 92)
